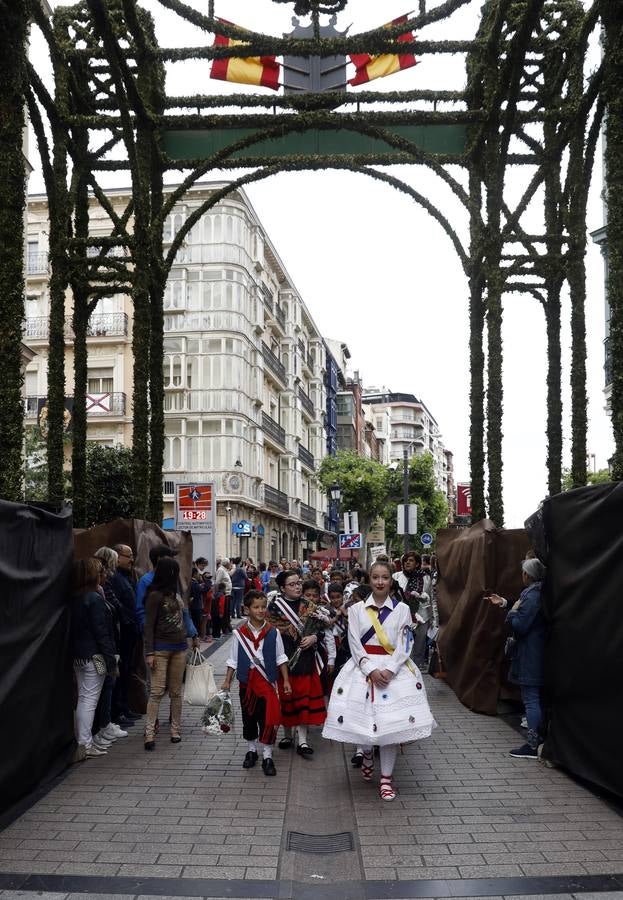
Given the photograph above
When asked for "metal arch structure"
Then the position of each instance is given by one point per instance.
(530, 113)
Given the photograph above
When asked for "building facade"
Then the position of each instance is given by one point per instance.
(244, 374)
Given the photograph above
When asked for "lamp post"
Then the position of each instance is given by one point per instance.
(336, 495)
(405, 495)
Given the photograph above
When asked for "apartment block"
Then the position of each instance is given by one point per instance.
(244, 373)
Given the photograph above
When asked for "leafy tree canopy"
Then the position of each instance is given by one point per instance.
(364, 484)
(36, 467)
(598, 477)
(432, 503)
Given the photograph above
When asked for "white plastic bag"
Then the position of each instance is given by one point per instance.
(200, 685)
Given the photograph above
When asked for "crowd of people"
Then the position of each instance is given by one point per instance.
(317, 646)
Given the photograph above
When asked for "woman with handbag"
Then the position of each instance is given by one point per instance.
(93, 649)
(166, 645)
(527, 653)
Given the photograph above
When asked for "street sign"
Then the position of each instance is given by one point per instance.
(351, 522)
(350, 542)
(400, 519)
(464, 499)
(378, 550)
(195, 511)
(376, 533)
(427, 539)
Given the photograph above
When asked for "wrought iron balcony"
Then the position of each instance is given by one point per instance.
(107, 325)
(105, 404)
(273, 429)
(308, 514)
(37, 264)
(267, 297)
(280, 315)
(306, 403)
(310, 362)
(276, 499)
(306, 457)
(276, 367)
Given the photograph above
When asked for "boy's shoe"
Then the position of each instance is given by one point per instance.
(250, 759)
(305, 750)
(525, 752)
(285, 743)
(93, 751)
(268, 766)
(357, 760)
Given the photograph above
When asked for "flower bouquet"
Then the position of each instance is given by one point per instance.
(218, 716)
(316, 620)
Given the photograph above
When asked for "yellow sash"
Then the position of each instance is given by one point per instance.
(383, 639)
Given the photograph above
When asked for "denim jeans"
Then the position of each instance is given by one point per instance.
(531, 696)
(237, 597)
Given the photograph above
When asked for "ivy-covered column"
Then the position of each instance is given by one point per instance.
(612, 18)
(13, 31)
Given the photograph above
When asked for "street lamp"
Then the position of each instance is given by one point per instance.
(336, 495)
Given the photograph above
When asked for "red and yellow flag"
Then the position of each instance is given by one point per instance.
(370, 67)
(262, 71)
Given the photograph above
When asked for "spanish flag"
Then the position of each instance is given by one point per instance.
(259, 70)
(371, 67)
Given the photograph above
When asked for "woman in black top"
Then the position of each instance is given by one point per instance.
(93, 650)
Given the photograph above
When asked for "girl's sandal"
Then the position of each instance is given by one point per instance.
(367, 767)
(387, 790)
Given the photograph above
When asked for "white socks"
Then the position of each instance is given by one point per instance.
(252, 747)
(301, 733)
(388, 759)
(267, 751)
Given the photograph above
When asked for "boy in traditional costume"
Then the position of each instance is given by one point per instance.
(379, 696)
(257, 657)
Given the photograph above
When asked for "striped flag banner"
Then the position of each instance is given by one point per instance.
(370, 67)
(262, 71)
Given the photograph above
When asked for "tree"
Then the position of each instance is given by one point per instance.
(109, 484)
(36, 466)
(432, 504)
(363, 482)
(599, 477)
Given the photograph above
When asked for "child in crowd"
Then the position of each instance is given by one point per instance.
(311, 594)
(379, 696)
(257, 657)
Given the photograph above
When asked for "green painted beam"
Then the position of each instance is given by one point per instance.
(198, 144)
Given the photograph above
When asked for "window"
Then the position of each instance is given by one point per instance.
(100, 381)
(30, 383)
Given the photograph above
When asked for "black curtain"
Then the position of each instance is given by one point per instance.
(583, 601)
(36, 683)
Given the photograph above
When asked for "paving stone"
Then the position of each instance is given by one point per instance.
(150, 871)
(507, 870)
(213, 872)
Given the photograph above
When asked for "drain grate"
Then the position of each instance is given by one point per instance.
(320, 843)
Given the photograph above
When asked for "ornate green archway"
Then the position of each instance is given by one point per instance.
(529, 107)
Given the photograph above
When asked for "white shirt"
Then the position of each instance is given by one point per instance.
(359, 623)
(234, 646)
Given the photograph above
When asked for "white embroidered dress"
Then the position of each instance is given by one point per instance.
(362, 713)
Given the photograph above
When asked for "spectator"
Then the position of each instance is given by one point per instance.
(270, 575)
(528, 655)
(166, 637)
(198, 589)
(123, 584)
(93, 651)
(108, 732)
(253, 582)
(416, 586)
(238, 584)
(223, 589)
(156, 553)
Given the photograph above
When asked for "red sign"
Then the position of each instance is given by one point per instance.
(195, 505)
(464, 499)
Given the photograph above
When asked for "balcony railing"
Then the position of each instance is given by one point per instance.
(106, 404)
(280, 315)
(306, 457)
(100, 325)
(273, 429)
(276, 367)
(308, 514)
(37, 263)
(267, 297)
(276, 499)
(310, 362)
(306, 403)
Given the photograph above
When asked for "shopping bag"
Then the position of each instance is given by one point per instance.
(200, 684)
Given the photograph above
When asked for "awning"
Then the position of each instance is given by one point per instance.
(329, 554)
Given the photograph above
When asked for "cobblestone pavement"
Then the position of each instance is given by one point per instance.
(187, 820)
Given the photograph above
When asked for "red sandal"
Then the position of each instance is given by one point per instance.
(387, 790)
(367, 767)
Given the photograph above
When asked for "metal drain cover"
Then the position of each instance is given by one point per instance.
(320, 843)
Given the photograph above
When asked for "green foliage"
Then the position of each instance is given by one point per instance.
(36, 467)
(432, 504)
(109, 484)
(601, 476)
(364, 484)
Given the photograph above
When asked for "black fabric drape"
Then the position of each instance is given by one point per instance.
(583, 600)
(36, 686)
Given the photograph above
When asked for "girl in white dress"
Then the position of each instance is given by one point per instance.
(379, 696)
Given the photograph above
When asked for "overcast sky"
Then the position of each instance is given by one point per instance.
(377, 272)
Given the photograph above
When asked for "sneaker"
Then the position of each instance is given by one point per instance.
(525, 752)
(113, 731)
(101, 742)
(105, 735)
(93, 751)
